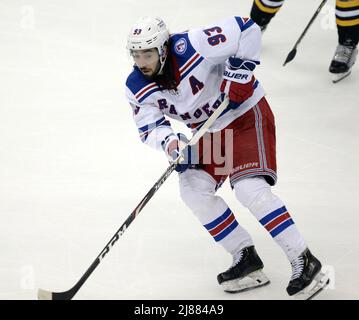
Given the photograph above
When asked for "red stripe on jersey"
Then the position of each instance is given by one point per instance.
(145, 90)
(186, 66)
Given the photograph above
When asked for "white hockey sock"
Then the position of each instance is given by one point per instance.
(227, 232)
(256, 195)
(198, 193)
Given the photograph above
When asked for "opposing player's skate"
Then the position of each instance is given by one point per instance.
(245, 273)
(307, 279)
(343, 61)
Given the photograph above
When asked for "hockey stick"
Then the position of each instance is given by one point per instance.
(293, 53)
(69, 294)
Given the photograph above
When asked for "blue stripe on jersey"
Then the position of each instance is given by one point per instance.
(273, 215)
(153, 125)
(244, 25)
(226, 231)
(149, 93)
(192, 68)
(248, 24)
(281, 227)
(219, 220)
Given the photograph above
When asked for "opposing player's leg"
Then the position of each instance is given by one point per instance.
(346, 52)
(262, 11)
(197, 190)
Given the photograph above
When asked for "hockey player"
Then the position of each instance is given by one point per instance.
(185, 77)
(347, 19)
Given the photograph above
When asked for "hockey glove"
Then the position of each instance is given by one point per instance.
(172, 146)
(238, 80)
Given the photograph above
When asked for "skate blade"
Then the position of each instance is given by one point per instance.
(340, 76)
(253, 280)
(320, 281)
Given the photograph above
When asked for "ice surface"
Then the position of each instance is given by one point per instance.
(72, 167)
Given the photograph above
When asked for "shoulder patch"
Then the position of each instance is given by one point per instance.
(180, 46)
(186, 56)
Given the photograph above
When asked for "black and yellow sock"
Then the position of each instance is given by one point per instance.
(347, 18)
(264, 10)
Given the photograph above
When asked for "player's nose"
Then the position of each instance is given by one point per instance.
(141, 62)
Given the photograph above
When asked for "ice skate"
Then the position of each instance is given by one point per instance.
(245, 273)
(343, 61)
(307, 279)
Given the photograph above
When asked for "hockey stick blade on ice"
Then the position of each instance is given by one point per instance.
(293, 52)
(69, 294)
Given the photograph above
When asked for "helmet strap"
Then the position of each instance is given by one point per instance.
(163, 58)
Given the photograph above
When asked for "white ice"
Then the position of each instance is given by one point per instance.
(72, 167)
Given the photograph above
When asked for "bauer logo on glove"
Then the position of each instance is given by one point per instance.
(238, 80)
(230, 75)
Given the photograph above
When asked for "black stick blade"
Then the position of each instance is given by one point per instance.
(290, 56)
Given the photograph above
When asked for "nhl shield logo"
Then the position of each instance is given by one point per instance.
(181, 46)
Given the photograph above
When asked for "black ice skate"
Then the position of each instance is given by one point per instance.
(307, 279)
(343, 61)
(245, 273)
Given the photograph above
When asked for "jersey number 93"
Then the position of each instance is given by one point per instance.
(215, 36)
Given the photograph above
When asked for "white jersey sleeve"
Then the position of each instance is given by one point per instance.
(154, 129)
(236, 36)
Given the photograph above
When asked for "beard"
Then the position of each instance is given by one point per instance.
(154, 73)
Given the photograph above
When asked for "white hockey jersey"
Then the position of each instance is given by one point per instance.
(201, 55)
